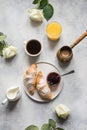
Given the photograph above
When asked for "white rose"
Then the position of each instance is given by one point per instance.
(9, 51)
(62, 111)
(36, 15)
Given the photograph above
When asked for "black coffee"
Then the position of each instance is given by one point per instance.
(33, 47)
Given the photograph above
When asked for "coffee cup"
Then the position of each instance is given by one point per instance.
(33, 47)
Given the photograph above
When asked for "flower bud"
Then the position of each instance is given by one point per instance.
(62, 111)
(36, 15)
(9, 51)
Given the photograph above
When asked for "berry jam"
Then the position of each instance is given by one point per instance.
(53, 79)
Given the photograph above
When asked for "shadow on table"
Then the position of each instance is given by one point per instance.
(61, 121)
(11, 105)
(33, 59)
(10, 59)
(35, 24)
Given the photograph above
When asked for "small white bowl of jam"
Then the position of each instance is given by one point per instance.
(33, 47)
(53, 80)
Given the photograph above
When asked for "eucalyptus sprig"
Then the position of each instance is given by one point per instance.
(6, 50)
(3, 43)
(47, 8)
(51, 125)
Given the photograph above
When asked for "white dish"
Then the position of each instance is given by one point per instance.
(46, 68)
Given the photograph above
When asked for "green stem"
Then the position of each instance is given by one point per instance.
(38, 5)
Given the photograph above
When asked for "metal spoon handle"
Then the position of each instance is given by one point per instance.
(79, 39)
(70, 72)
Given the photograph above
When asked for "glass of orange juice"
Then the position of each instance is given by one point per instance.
(53, 30)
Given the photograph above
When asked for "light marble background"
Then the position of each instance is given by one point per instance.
(14, 22)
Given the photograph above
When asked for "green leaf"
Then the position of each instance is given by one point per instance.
(2, 37)
(1, 33)
(59, 128)
(52, 123)
(36, 1)
(3, 45)
(32, 127)
(46, 127)
(48, 11)
(43, 3)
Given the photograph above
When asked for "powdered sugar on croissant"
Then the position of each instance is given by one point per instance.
(42, 87)
(30, 78)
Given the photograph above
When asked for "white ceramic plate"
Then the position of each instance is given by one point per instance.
(46, 68)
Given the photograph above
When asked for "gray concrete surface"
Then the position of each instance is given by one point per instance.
(14, 22)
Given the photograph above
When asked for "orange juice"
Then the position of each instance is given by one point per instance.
(53, 30)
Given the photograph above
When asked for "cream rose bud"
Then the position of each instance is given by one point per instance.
(62, 111)
(9, 51)
(36, 15)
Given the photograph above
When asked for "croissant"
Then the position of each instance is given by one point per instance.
(42, 87)
(30, 78)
